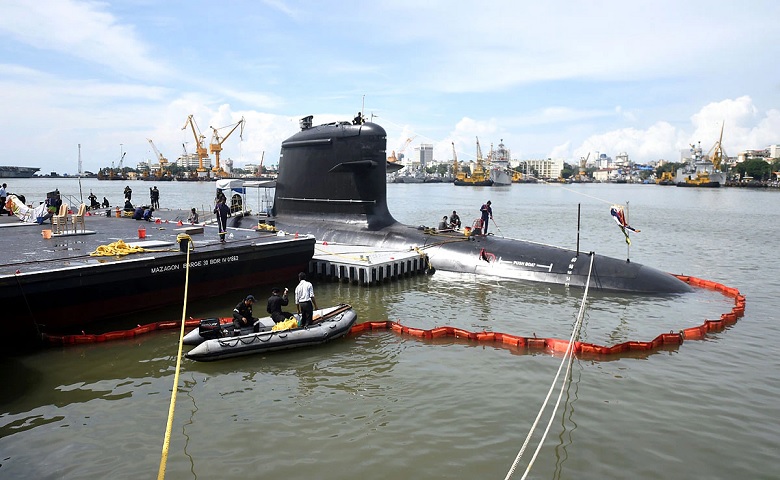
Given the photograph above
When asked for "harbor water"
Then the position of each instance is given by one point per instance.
(384, 406)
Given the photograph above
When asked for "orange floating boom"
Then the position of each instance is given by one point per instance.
(494, 338)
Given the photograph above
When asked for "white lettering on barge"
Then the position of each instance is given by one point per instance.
(195, 264)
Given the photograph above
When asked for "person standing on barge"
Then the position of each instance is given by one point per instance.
(222, 212)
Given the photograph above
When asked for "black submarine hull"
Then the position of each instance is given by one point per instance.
(332, 184)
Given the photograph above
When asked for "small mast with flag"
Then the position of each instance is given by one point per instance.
(620, 217)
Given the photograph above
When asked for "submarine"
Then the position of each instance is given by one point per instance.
(332, 184)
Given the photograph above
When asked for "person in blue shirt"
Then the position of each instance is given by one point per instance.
(487, 213)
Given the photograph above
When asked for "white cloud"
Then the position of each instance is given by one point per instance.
(83, 30)
(744, 127)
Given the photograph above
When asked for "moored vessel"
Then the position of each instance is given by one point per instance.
(349, 206)
(703, 171)
(480, 177)
(666, 179)
(326, 329)
(500, 171)
(210, 328)
(17, 172)
(60, 283)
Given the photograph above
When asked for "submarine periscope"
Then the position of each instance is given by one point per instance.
(332, 185)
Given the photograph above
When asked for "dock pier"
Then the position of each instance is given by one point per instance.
(366, 266)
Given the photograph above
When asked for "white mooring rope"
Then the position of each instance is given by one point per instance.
(568, 358)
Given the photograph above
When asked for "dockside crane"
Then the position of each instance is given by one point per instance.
(717, 154)
(393, 158)
(216, 143)
(479, 155)
(200, 143)
(455, 168)
(260, 167)
(584, 166)
(405, 145)
(160, 158)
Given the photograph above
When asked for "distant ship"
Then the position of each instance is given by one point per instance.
(703, 171)
(479, 177)
(17, 172)
(499, 165)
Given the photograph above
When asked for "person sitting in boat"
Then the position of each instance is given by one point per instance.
(454, 220)
(444, 224)
(193, 218)
(242, 314)
(276, 301)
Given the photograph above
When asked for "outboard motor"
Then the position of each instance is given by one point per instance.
(210, 329)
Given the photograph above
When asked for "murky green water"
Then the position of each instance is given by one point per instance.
(383, 406)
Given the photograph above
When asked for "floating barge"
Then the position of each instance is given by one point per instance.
(54, 284)
(363, 265)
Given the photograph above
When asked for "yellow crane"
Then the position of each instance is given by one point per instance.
(479, 168)
(160, 158)
(260, 167)
(455, 167)
(200, 141)
(717, 154)
(216, 143)
(583, 173)
(392, 158)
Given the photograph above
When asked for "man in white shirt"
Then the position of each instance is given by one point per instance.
(304, 300)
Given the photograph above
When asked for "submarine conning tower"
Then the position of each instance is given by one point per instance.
(336, 170)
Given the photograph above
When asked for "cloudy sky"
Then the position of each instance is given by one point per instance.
(552, 79)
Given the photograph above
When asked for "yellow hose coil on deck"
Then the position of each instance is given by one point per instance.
(266, 227)
(117, 248)
(120, 248)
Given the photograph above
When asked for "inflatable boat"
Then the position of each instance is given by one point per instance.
(211, 328)
(329, 324)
